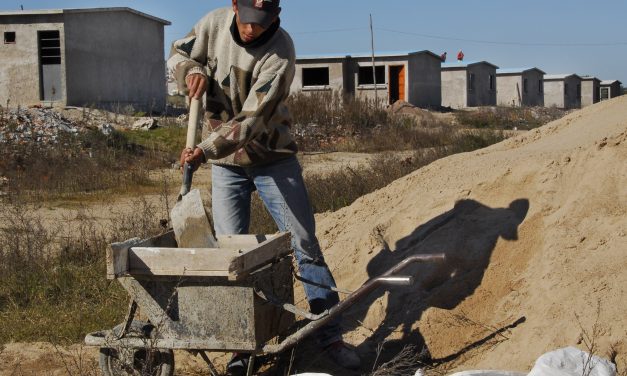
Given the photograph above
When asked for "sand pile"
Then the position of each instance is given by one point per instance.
(534, 227)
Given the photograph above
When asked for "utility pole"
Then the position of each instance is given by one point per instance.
(374, 71)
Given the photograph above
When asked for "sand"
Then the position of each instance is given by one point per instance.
(534, 227)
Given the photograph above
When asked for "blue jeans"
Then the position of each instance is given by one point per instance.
(282, 189)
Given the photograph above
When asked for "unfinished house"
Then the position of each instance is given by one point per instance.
(103, 57)
(468, 84)
(562, 91)
(610, 89)
(590, 90)
(519, 87)
(413, 77)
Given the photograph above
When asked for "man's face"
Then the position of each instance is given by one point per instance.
(248, 32)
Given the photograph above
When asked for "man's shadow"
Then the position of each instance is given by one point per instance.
(467, 235)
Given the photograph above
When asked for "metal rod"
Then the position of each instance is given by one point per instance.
(350, 300)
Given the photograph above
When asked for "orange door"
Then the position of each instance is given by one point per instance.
(401, 83)
(396, 85)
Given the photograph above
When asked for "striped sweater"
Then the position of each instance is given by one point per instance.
(246, 121)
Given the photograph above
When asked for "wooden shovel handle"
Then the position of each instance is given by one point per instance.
(192, 126)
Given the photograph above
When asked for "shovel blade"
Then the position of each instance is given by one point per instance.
(190, 223)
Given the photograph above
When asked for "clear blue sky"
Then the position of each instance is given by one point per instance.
(558, 36)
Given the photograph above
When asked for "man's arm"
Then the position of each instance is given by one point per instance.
(187, 62)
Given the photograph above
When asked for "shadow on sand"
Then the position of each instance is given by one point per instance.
(467, 235)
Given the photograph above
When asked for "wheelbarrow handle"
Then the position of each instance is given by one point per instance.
(386, 278)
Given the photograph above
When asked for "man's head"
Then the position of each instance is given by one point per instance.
(254, 17)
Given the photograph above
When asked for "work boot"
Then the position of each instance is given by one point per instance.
(238, 365)
(343, 355)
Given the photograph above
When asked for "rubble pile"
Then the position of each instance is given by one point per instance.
(38, 125)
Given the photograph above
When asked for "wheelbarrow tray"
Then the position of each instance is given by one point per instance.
(204, 298)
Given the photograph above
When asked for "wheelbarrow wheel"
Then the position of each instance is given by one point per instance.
(146, 361)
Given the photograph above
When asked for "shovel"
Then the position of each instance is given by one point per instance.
(189, 219)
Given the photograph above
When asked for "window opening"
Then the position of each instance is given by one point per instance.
(49, 47)
(365, 75)
(9, 37)
(315, 76)
(472, 81)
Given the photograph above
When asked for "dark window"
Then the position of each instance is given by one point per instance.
(315, 76)
(578, 90)
(566, 89)
(471, 80)
(49, 47)
(525, 86)
(540, 86)
(9, 37)
(491, 82)
(365, 75)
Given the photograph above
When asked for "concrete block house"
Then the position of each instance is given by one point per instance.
(562, 91)
(610, 89)
(413, 77)
(520, 87)
(103, 57)
(590, 90)
(469, 84)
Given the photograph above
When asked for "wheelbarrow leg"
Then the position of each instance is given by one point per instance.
(251, 365)
(212, 369)
(132, 308)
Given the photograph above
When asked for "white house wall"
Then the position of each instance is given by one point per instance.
(509, 90)
(554, 93)
(454, 88)
(589, 92)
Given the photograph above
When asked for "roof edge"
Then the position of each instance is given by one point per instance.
(36, 12)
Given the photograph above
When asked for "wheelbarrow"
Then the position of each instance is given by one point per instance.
(235, 298)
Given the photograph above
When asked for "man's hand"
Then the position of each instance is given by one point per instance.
(193, 157)
(197, 85)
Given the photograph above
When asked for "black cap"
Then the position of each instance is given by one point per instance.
(261, 12)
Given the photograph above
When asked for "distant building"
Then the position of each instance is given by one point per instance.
(413, 77)
(468, 84)
(610, 89)
(562, 91)
(104, 57)
(590, 90)
(520, 87)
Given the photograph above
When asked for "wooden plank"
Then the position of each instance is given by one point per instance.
(242, 241)
(180, 261)
(117, 258)
(259, 255)
(117, 253)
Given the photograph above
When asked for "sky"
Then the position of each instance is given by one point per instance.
(558, 36)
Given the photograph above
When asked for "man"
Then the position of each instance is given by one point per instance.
(245, 63)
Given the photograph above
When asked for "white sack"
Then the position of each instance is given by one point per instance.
(570, 361)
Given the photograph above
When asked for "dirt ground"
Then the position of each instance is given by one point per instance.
(534, 230)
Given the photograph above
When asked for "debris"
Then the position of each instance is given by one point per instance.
(571, 361)
(39, 125)
(145, 124)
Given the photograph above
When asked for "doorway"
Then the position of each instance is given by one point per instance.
(397, 83)
(49, 44)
